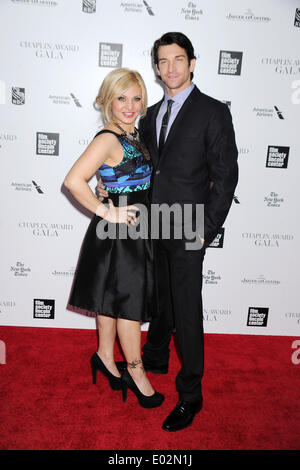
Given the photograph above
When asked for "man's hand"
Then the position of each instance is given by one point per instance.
(100, 191)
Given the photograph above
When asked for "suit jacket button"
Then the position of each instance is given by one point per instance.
(157, 172)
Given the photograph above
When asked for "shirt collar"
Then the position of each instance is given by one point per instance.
(181, 96)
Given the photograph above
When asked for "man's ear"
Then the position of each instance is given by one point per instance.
(192, 65)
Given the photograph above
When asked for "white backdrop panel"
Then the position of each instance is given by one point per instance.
(54, 56)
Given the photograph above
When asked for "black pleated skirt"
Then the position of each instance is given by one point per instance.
(114, 275)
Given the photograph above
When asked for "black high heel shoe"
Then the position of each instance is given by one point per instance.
(145, 401)
(96, 364)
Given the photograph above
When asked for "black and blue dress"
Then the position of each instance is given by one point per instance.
(114, 275)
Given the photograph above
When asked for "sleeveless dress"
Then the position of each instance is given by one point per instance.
(114, 275)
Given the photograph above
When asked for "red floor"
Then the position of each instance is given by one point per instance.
(251, 396)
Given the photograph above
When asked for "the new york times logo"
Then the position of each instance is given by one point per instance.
(110, 55)
(257, 316)
(160, 221)
(89, 6)
(43, 308)
(18, 95)
(230, 63)
(47, 143)
(277, 157)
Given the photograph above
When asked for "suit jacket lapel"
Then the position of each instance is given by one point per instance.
(153, 141)
(179, 119)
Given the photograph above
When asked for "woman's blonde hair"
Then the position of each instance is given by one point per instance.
(114, 85)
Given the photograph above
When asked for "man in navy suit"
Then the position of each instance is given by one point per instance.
(191, 141)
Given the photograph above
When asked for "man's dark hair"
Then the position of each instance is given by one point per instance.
(174, 38)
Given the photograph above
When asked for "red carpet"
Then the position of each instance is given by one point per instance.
(251, 396)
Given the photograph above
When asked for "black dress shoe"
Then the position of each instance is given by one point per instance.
(97, 365)
(152, 401)
(182, 416)
(121, 365)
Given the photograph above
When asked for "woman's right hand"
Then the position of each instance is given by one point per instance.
(121, 215)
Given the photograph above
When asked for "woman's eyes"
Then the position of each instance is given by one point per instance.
(122, 98)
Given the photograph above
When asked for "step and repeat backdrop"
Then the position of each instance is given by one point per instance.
(54, 55)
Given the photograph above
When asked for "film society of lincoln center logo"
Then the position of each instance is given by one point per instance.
(43, 308)
(218, 240)
(257, 316)
(47, 143)
(230, 63)
(110, 55)
(277, 157)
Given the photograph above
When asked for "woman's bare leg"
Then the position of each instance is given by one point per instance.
(129, 333)
(107, 329)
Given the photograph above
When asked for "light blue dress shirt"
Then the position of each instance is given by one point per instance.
(178, 99)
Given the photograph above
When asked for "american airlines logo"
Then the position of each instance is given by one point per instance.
(28, 187)
(148, 8)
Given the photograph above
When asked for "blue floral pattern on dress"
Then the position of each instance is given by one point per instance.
(133, 173)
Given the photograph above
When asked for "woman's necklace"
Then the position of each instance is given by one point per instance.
(134, 139)
(130, 135)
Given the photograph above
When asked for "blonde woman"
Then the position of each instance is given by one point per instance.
(114, 276)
